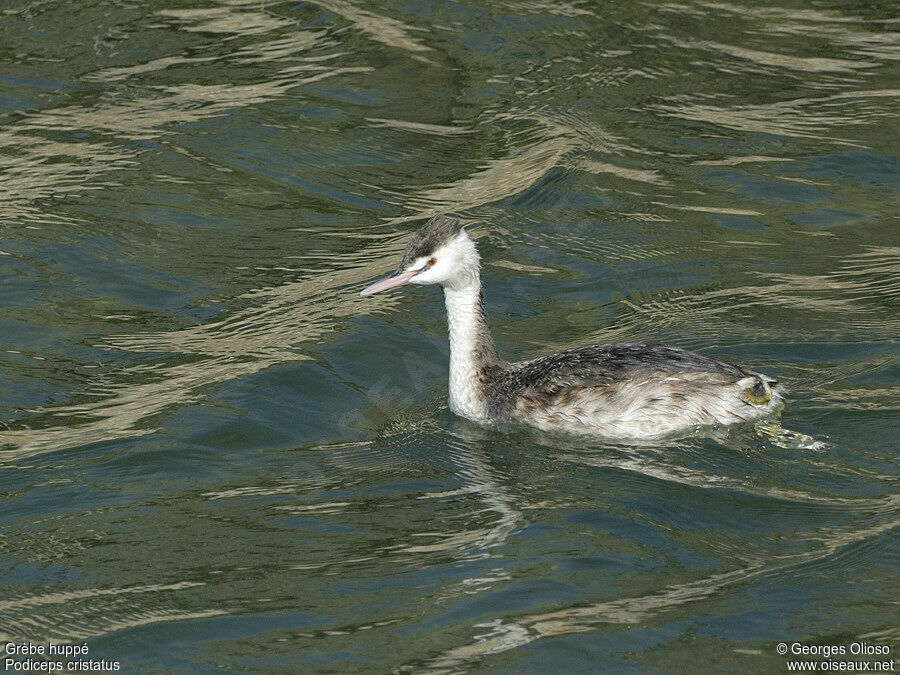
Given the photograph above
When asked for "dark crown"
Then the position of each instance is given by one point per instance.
(430, 237)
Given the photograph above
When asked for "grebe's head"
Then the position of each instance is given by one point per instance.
(439, 253)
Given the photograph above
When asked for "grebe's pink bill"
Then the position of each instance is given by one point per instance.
(398, 278)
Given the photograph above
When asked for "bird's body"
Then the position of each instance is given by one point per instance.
(615, 390)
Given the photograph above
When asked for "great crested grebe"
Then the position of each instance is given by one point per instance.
(614, 390)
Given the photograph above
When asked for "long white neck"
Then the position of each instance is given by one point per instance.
(473, 355)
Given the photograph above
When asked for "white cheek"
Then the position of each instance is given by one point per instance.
(435, 274)
(438, 271)
(431, 275)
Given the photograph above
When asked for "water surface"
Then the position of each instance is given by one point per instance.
(216, 456)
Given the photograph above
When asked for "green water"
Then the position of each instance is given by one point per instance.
(216, 456)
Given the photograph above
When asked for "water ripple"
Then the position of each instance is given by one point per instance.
(504, 634)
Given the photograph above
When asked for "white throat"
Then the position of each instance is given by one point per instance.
(470, 343)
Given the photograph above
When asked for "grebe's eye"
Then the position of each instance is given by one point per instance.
(431, 261)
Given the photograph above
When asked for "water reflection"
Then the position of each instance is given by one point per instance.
(70, 616)
(212, 445)
(802, 118)
(504, 635)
